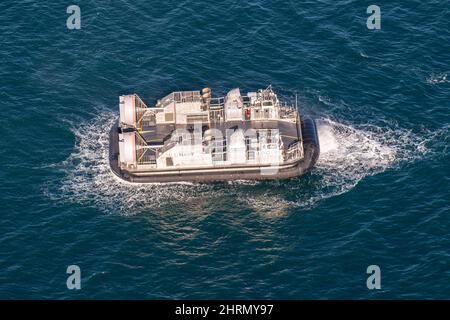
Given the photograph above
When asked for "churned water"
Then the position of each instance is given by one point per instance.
(379, 194)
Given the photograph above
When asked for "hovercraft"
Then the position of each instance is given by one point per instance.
(195, 137)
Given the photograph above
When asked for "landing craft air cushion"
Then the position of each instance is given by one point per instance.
(195, 137)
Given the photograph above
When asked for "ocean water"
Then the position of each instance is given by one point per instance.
(379, 194)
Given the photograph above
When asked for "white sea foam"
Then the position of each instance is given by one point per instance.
(328, 142)
(349, 153)
(437, 78)
(89, 181)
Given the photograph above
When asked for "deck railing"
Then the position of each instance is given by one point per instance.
(140, 108)
(180, 97)
(294, 151)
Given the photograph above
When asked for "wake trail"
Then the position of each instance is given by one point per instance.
(349, 153)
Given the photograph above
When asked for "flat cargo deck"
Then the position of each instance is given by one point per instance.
(289, 132)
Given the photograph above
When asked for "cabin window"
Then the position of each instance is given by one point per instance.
(169, 162)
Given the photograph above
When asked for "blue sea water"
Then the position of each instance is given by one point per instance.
(378, 196)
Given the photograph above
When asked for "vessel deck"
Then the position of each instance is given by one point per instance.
(288, 130)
